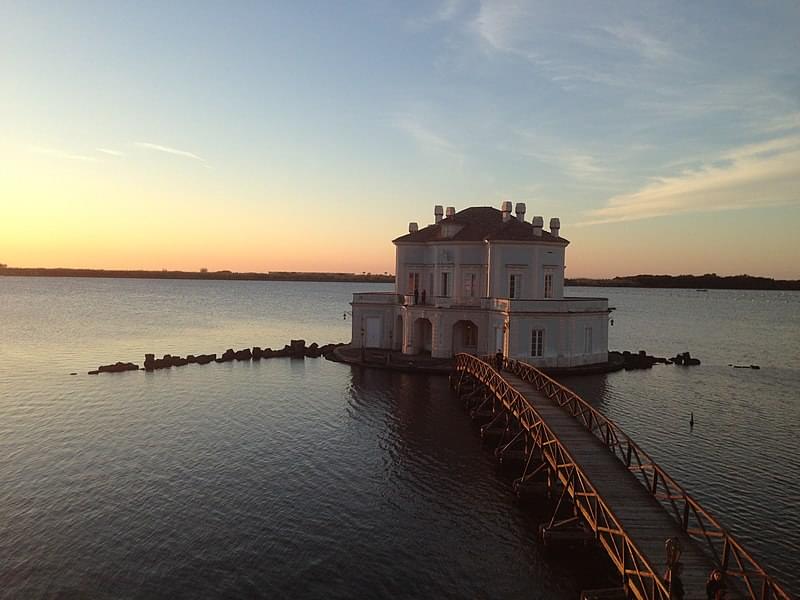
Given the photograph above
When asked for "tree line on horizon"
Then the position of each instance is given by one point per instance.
(201, 274)
(707, 281)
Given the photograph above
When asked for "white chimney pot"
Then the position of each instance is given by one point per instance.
(438, 211)
(505, 208)
(538, 224)
(413, 227)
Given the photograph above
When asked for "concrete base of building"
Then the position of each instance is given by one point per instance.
(395, 360)
(614, 363)
(381, 358)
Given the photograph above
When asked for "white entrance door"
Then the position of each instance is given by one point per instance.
(373, 332)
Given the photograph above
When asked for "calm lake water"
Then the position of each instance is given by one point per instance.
(287, 478)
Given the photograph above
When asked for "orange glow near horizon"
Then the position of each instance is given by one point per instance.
(85, 216)
(77, 243)
(141, 138)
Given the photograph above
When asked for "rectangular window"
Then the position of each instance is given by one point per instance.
(413, 282)
(445, 284)
(537, 342)
(587, 340)
(548, 285)
(470, 282)
(514, 286)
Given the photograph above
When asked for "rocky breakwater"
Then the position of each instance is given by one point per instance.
(294, 349)
(685, 359)
(117, 367)
(642, 360)
(151, 363)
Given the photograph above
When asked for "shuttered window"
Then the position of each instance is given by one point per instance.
(548, 285)
(514, 286)
(537, 342)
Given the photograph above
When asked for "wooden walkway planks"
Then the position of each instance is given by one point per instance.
(641, 515)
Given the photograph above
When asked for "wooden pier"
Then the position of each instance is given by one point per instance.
(627, 502)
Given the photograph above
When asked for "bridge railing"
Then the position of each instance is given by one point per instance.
(695, 520)
(643, 576)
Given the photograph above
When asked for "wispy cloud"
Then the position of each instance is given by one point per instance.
(566, 47)
(578, 164)
(110, 152)
(762, 174)
(169, 150)
(653, 66)
(752, 98)
(62, 154)
(784, 122)
(574, 164)
(635, 38)
(497, 26)
(426, 138)
(446, 11)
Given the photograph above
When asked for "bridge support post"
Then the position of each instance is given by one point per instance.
(533, 482)
(513, 453)
(493, 431)
(473, 397)
(554, 487)
(568, 533)
(484, 409)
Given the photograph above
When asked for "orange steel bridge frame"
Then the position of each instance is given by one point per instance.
(641, 576)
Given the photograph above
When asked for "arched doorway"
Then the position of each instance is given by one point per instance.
(397, 339)
(465, 337)
(423, 336)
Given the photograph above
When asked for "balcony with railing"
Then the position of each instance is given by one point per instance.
(456, 302)
(377, 298)
(561, 305)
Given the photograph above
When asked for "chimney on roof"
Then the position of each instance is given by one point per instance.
(413, 227)
(555, 225)
(438, 211)
(505, 208)
(520, 210)
(538, 223)
(451, 211)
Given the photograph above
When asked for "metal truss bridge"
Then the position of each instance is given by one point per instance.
(619, 495)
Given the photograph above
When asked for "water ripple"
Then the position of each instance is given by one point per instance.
(285, 478)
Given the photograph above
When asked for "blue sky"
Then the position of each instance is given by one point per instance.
(662, 134)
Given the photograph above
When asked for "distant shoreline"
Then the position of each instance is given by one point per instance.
(699, 282)
(203, 275)
(710, 281)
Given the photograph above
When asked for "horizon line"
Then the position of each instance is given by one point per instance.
(205, 273)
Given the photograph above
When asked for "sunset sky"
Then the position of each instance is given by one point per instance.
(305, 136)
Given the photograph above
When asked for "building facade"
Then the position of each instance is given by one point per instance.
(482, 280)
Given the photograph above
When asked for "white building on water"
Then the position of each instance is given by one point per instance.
(482, 280)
